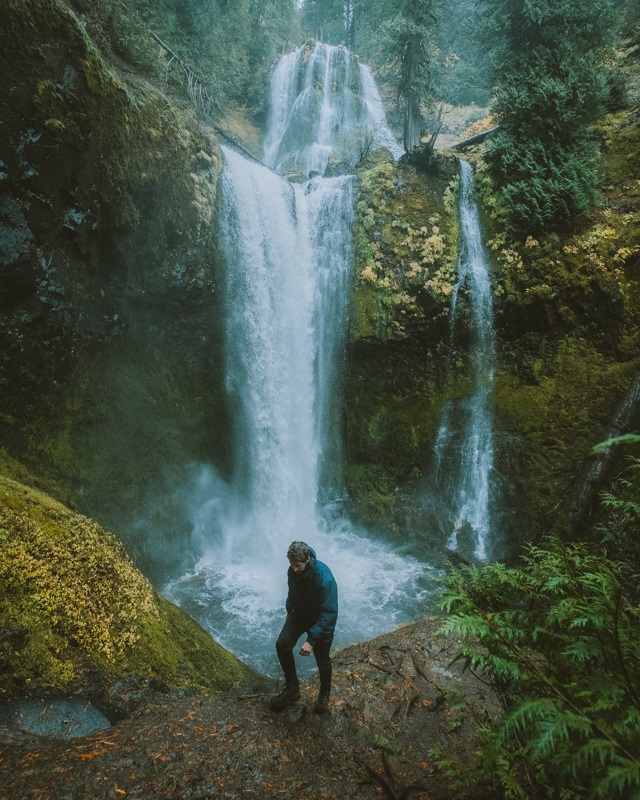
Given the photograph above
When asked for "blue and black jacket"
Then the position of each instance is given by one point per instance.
(313, 596)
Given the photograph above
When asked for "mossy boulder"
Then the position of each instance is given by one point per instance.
(405, 252)
(76, 614)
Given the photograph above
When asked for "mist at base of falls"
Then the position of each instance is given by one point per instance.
(238, 595)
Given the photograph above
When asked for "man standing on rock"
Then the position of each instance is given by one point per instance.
(312, 607)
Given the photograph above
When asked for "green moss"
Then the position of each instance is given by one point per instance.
(553, 419)
(567, 314)
(371, 491)
(126, 335)
(70, 591)
(406, 251)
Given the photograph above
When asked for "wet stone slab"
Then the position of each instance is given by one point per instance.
(57, 719)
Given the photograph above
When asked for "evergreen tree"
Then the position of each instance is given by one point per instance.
(411, 51)
(461, 77)
(329, 21)
(550, 85)
(278, 23)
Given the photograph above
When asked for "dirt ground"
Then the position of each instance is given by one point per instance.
(393, 699)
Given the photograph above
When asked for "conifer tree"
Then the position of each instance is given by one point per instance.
(550, 84)
(410, 48)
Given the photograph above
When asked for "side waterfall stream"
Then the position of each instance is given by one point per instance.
(288, 262)
(459, 489)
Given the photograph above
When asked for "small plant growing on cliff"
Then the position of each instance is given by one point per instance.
(559, 640)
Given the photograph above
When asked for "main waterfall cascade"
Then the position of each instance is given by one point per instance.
(460, 482)
(288, 261)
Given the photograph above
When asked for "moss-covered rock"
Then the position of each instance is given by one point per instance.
(568, 323)
(567, 316)
(72, 604)
(405, 263)
(405, 251)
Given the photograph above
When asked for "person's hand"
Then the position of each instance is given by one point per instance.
(306, 649)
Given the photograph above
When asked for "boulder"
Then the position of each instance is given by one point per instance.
(373, 159)
(337, 166)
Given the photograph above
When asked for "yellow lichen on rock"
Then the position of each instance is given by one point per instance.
(71, 599)
(406, 250)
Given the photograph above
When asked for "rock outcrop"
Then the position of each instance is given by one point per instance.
(76, 615)
(109, 339)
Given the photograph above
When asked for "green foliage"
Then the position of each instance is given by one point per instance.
(462, 77)
(551, 83)
(627, 438)
(558, 639)
(386, 744)
(459, 782)
(545, 186)
(332, 21)
(406, 251)
(230, 46)
(409, 45)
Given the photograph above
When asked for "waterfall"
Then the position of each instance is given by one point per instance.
(288, 260)
(323, 102)
(463, 451)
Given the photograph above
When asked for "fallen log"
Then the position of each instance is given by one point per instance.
(479, 137)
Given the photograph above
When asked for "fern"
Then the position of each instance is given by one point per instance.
(559, 640)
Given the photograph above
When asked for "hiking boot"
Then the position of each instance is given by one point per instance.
(322, 704)
(287, 696)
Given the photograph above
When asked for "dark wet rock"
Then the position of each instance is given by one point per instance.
(443, 163)
(16, 238)
(295, 177)
(337, 166)
(56, 719)
(73, 219)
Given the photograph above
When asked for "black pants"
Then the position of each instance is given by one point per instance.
(293, 629)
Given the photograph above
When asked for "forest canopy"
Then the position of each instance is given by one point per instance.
(546, 69)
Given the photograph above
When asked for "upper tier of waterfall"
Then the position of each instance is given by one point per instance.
(323, 102)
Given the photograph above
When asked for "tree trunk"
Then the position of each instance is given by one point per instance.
(412, 116)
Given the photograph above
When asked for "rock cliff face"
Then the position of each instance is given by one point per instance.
(405, 269)
(108, 330)
(567, 326)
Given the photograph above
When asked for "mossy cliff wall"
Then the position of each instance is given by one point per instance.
(109, 354)
(568, 340)
(405, 265)
(568, 324)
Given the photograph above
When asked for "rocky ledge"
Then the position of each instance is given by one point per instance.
(399, 709)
